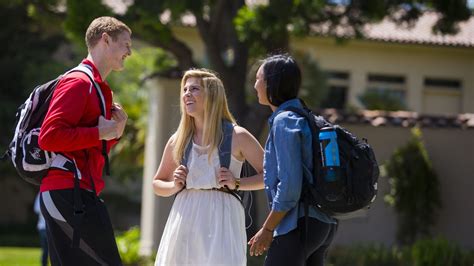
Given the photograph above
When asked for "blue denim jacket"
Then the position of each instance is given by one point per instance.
(288, 155)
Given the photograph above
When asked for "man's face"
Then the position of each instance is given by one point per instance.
(119, 50)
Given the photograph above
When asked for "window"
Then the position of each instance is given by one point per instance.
(384, 92)
(443, 84)
(442, 96)
(391, 85)
(338, 85)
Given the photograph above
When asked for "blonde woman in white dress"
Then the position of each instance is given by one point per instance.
(205, 226)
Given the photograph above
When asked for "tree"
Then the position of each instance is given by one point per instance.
(30, 35)
(235, 33)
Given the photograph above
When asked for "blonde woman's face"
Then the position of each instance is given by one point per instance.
(193, 97)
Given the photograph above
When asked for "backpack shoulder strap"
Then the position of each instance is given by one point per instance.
(310, 118)
(225, 147)
(308, 115)
(86, 69)
(187, 151)
(315, 121)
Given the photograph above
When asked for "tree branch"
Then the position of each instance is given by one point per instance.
(164, 39)
(216, 16)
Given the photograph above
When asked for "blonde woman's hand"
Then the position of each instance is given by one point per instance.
(226, 178)
(179, 176)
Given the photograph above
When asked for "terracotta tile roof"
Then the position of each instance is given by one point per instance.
(421, 32)
(418, 33)
(398, 119)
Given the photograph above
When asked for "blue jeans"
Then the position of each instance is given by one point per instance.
(288, 249)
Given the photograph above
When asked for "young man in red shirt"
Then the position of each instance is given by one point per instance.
(81, 125)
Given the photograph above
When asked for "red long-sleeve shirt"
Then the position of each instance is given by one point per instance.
(70, 127)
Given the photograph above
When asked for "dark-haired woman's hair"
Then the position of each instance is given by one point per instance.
(283, 78)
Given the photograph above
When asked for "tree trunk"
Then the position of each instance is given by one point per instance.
(220, 37)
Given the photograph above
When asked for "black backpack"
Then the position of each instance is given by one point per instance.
(31, 162)
(356, 187)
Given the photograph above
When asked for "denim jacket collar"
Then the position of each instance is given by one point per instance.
(293, 103)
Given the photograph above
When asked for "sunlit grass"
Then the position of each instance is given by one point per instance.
(15, 256)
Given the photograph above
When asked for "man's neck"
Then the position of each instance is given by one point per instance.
(97, 59)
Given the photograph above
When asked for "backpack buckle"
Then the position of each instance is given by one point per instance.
(79, 213)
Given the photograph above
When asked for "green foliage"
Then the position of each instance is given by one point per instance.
(453, 10)
(381, 100)
(415, 191)
(80, 15)
(424, 252)
(263, 25)
(263, 28)
(28, 43)
(364, 255)
(128, 244)
(439, 252)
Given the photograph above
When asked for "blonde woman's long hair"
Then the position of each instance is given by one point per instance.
(215, 110)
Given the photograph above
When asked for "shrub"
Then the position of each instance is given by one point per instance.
(415, 191)
(128, 244)
(439, 252)
(380, 99)
(364, 255)
(424, 252)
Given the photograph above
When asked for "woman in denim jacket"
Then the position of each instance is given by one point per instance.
(287, 159)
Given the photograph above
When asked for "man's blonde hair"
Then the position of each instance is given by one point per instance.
(100, 25)
(215, 111)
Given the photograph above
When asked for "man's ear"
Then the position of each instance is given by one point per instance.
(106, 37)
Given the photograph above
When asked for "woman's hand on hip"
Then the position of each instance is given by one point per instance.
(179, 176)
(226, 178)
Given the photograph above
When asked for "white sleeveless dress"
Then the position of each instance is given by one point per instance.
(204, 227)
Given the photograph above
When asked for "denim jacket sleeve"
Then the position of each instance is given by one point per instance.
(287, 138)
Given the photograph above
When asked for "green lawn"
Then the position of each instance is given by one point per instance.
(15, 256)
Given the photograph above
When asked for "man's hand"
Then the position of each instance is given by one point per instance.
(108, 129)
(120, 116)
